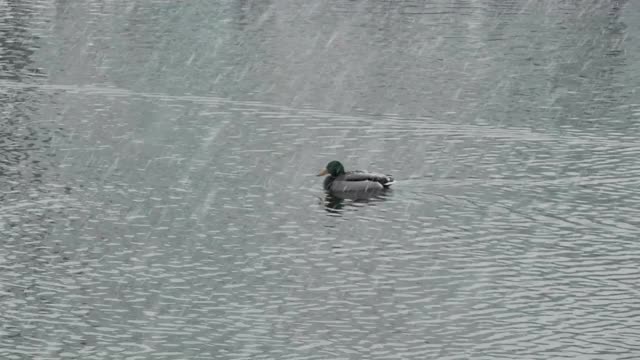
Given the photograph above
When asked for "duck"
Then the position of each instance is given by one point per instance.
(340, 180)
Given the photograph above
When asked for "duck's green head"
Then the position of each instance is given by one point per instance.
(333, 168)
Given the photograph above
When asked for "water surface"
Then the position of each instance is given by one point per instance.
(158, 197)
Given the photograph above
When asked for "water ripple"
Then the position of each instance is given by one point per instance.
(158, 197)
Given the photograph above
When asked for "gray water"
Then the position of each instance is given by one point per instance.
(158, 198)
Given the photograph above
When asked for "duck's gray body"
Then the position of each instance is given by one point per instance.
(357, 181)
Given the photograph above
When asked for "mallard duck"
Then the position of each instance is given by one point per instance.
(353, 181)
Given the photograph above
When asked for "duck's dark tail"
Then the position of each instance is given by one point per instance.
(389, 181)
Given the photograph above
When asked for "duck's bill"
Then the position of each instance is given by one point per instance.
(323, 172)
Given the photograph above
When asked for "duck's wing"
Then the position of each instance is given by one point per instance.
(346, 186)
(384, 180)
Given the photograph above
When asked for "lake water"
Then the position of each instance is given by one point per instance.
(158, 197)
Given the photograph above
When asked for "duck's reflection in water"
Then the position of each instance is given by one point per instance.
(335, 202)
